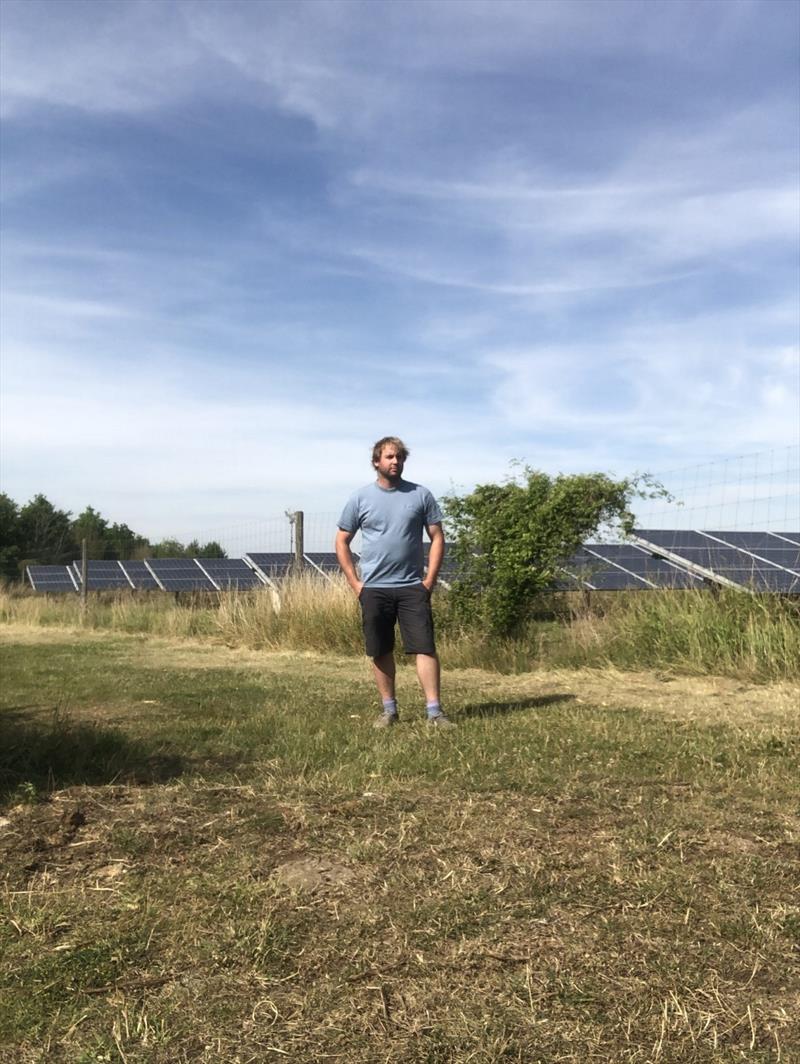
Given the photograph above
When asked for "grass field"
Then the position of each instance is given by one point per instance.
(750, 637)
(209, 855)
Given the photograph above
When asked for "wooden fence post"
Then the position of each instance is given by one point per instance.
(299, 546)
(84, 576)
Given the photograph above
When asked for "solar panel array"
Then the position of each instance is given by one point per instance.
(273, 566)
(230, 574)
(140, 576)
(51, 578)
(655, 558)
(325, 561)
(102, 576)
(757, 561)
(623, 567)
(179, 574)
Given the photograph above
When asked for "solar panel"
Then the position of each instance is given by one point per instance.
(565, 582)
(672, 539)
(721, 560)
(230, 573)
(143, 579)
(656, 572)
(757, 545)
(748, 540)
(173, 564)
(102, 575)
(180, 574)
(597, 574)
(51, 578)
(271, 564)
(792, 537)
(326, 561)
(766, 580)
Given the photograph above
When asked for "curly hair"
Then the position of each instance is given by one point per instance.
(390, 441)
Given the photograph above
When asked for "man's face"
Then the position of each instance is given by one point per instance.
(390, 464)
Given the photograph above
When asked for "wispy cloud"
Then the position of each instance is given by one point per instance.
(242, 239)
(718, 381)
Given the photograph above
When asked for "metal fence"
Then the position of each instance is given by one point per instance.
(759, 491)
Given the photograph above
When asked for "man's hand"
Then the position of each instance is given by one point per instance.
(357, 586)
(429, 585)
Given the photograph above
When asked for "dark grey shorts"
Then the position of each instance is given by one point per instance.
(410, 607)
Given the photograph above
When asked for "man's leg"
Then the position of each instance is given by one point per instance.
(428, 676)
(378, 614)
(384, 669)
(416, 625)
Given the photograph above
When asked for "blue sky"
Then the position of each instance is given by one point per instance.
(243, 240)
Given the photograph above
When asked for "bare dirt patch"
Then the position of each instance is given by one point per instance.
(312, 874)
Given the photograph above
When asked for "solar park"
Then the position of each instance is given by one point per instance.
(761, 562)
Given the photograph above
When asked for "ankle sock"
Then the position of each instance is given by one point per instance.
(433, 709)
(390, 707)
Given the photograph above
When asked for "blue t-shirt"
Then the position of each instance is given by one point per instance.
(391, 522)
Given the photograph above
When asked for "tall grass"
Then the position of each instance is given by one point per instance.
(726, 633)
(311, 614)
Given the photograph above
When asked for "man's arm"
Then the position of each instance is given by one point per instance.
(435, 556)
(346, 561)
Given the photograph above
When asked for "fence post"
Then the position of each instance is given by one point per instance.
(299, 546)
(84, 576)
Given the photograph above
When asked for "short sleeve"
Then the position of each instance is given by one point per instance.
(349, 520)
(433, 515)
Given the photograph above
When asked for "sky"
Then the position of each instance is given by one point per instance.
(243, 240)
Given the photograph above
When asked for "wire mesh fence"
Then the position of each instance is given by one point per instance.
(748, 492)
(759, 491)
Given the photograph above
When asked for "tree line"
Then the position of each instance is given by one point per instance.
(38, 533)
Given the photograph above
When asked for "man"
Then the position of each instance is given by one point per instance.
(391, 514)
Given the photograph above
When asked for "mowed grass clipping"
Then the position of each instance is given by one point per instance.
(209, 855)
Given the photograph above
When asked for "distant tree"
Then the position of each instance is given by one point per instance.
(46, 536)
(212, 549)
(92, 527)
(123, 543)
(10, 533)
(168, 548)
(509, 539)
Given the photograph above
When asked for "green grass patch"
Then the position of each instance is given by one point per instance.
(209, 855)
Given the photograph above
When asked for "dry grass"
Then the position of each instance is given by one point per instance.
(696, 632)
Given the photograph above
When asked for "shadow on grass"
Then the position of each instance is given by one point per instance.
(497, 709)
(53, 751)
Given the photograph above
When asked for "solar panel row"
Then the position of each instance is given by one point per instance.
(657, 558)
(755, 561)
(230, 573)
(622, 567)
(102, 575)
(272, 566)
(51, 578)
